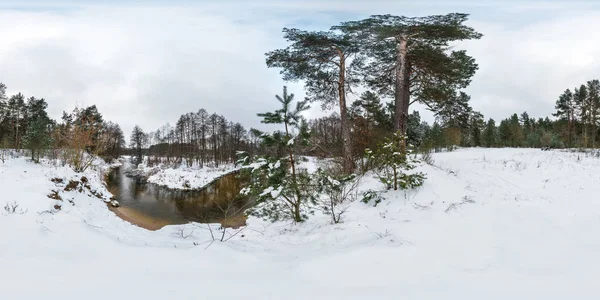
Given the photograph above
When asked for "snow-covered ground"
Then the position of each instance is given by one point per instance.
(487, 224)
(182, 176)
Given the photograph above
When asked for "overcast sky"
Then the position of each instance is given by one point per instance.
(149, 63)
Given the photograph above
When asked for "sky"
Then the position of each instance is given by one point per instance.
(148, 62)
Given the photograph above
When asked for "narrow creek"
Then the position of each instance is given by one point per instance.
(152, 207)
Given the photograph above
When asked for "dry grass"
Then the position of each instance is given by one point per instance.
(54, 195)
(71, 185)
(234, 222)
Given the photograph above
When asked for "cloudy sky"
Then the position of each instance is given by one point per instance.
(148, 62)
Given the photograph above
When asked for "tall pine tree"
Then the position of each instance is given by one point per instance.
(565, 110)
(409, 57)
(326, 62)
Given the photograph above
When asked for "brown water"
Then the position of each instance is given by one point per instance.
(152, 207)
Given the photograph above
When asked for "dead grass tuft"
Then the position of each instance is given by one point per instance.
(54, 195)
(72, 185)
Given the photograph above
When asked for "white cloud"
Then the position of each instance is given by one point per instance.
(140, 65)
(147, 65)
(526, 68)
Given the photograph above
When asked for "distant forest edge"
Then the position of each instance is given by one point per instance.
(398, 60)
(204, 138)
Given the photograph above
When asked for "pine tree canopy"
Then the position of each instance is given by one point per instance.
(286, 114)
(318, 58)
(435, 72)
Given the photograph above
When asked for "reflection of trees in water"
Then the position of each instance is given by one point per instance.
(211, 204)
(134, 189)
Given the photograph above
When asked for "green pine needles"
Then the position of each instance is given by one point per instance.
(391, 164)
(281, 188)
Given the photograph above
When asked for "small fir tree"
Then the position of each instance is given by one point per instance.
(38, 137)
(489, 133)
(281, 188)
(391, 164)
(38, 134)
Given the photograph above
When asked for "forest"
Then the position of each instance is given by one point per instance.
(25, 124)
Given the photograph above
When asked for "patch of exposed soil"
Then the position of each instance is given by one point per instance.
(139, 219)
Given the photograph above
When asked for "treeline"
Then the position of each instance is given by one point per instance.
(76, 139)
(457, 124)
(578, 113)
(197, 138)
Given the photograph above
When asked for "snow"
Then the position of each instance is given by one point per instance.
(487, 224)
(267, 191)
(183, 176)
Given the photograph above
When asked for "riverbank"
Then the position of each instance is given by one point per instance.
(140, 219)
(181, 176)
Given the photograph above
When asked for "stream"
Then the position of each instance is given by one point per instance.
(152, 206)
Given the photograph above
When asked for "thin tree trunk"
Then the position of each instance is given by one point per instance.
(297, 217)
(569, 128)
(406, 100)
(585, 137)
(17, 137)
(346, 136)
(395, 179)
(401, 87)
(594, 130)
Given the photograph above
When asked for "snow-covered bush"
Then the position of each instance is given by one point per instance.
(427, 156)
(280, 194)
(392, 163)
(334, 193)
(242, 158)
(372, 196)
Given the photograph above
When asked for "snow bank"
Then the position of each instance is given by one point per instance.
(182, 176)
(487, 224)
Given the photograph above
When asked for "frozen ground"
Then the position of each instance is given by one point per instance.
(488, 224)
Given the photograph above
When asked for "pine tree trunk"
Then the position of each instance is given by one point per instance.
(401, 96)
(405, 101)
(17, 138)
(594, 130)
(346, 136)
(297, 217)
(395, 179)
(569, 128)
(585, 135)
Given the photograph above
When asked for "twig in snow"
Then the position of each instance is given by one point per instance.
(232, 235)
(466, 199)
(182, 233)
(84, 221)
(422, 207)
(383, 234)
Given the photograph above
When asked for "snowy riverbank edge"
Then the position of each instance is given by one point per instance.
(180, 177)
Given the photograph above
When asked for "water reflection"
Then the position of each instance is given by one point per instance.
(215, 203)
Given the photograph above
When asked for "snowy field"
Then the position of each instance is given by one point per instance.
(487, 224)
